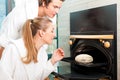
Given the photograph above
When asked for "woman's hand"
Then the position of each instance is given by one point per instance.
(57, 55)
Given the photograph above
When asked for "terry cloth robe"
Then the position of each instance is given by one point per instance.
(2, 73)
(11, 26)
(17, 70)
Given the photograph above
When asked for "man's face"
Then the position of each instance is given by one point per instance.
(53, 7)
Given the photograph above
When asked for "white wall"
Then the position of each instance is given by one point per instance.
(77, 5)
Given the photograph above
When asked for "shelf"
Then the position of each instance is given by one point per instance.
(92, 36)
(70, 60)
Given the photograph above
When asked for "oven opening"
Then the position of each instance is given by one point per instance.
(102, 60)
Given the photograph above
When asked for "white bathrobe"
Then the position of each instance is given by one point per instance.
(12, 24)
(16, 70)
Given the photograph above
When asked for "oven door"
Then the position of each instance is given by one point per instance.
(66, 73)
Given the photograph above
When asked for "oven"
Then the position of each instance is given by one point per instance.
(93, 33)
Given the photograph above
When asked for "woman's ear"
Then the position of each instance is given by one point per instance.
(41, 33)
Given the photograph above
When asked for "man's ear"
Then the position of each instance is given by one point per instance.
(43, 3)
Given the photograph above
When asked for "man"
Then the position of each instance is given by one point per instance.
(23, 10)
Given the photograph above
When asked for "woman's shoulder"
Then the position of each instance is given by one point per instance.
(16, 43)
(16, 46)
(10, 51)
(19, 44)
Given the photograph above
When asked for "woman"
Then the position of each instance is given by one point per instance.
(26, 58)
(23, 10)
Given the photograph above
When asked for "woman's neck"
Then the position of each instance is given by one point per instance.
(38, 42)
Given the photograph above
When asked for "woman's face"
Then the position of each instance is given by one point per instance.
(52, 9)
(49, 34)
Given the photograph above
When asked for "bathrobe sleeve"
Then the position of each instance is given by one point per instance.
(12, 24)
(48, 68)
(45, 67)
(8, 60)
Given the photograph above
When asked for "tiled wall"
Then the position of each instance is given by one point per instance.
(77, 5)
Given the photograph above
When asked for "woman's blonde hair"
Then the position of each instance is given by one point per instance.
(30, 29)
